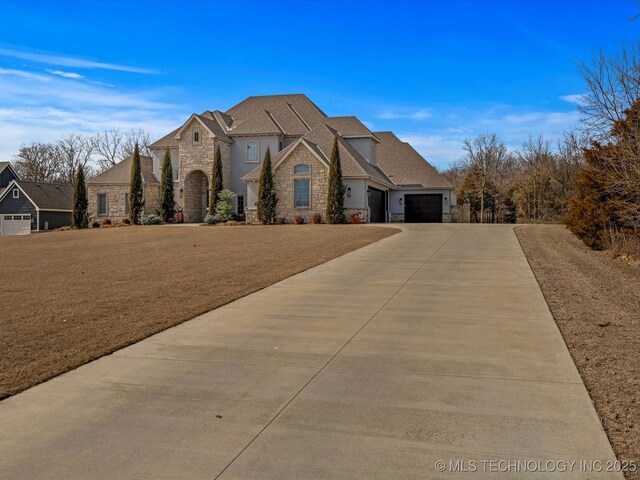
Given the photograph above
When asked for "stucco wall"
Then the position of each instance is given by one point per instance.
(239, 165)
(358, 198)
(365, 147)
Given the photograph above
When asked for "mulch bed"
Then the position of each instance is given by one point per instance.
(595, 300)
(70, 297)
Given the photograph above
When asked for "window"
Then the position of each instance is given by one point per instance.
(196, 136)
(302, 192)
(126, 204)
(102, 204)
(252, 152)
(16, 193)
(280, 145)
(301, 169)
(240, 204)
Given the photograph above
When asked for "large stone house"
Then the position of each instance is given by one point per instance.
(385, 178)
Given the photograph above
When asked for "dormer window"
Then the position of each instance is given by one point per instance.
(301, 170)
(252, 152)
(16, 193)
(196, 136)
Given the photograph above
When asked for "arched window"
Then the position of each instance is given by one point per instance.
(301, 169)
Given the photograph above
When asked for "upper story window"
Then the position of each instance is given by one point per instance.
(16, 193)
(280, 145)
(252, 152)
(301, 169)
(196, 136)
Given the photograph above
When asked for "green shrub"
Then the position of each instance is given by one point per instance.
(225, 209)
(151, 220)
(212, 219)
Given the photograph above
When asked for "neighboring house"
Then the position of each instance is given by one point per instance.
(7, 174)
(108, 193)
(27, 207)
(386, 179)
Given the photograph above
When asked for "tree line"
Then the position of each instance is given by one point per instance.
(589, 179)
(58, 161)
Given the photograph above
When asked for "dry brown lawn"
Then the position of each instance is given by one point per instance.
(595, 301)
(71, 297)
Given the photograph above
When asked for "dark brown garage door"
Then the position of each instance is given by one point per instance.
(423, 208)
(376, 205)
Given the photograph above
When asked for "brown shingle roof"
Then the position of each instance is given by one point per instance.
(121, 172)
(210, 121)
(350, 127)
(48, 196)
(298, 103)
(320, 140)
(168, 140)
(404, 166)
(260, 123)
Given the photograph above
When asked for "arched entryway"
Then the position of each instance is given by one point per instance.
(196, 198)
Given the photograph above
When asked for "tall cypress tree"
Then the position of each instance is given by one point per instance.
(216, 181)
(80, 217)
(136, 194)
(267, 199)
(167, 200)
(335, 190)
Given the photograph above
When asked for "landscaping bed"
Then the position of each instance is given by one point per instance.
(71, 297)
(595, 300)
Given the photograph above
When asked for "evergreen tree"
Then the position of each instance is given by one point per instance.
(267, 199)
(80, 214)
(136, 194)
(167, 200)
(216, 181)
(336, 189)
(225, 208)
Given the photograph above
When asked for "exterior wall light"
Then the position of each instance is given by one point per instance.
(400, 200)
(348, 191)
(445, 200)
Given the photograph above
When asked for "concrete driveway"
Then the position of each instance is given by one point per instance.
(433, 344)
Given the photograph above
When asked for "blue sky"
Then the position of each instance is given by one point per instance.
(433, 72)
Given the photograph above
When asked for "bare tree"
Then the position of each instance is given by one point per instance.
(113, 146)
(612, 86)
(74, 150)
(485, 157)
(133, 137)
(108, 146)
(38, 162)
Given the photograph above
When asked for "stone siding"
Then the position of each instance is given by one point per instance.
(196, 156)
(116, 198)
(284, 177)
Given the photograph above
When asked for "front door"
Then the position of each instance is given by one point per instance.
(377, 209)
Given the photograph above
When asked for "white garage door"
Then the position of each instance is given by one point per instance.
(16, 224)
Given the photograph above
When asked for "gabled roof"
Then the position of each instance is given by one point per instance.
(350, 127)
(168, 140)
(299, 103)
(8, 165)
(44, 196)
(120, 173)
(260, 123)
(320, 141)
(209, 122)
(405, 166)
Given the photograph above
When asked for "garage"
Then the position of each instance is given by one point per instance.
(27, 207)
(423, 208)
(15, 225)
(377, 210)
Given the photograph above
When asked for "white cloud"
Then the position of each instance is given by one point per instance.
(42, 108)
(60, 73)
(576, 99)
(68, 61)
(419, 115)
